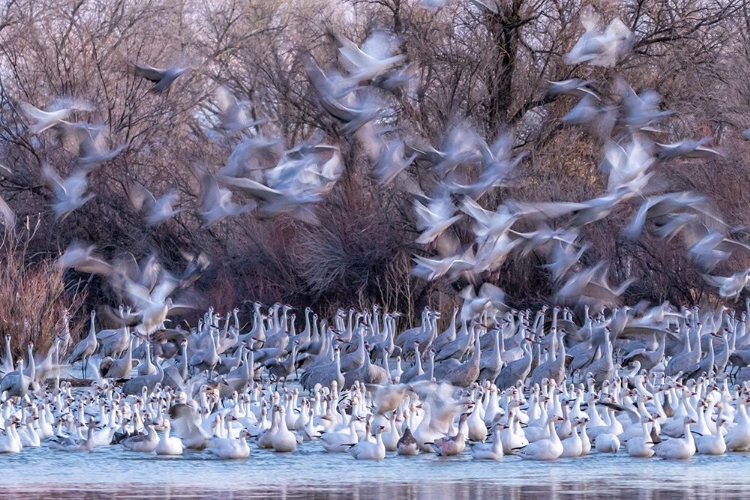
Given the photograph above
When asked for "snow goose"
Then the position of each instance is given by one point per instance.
(284, 440)
(168, 445)
(367, 450)
(230, 448)
(678, 448)
(392, 437)
(9, 443)
(336, 442)
(407, 445)
(545, 449)
(492, 451)
(641, 446)
(738, 437)
(142, 443)
(453, 445)
(712, 444)
(573, 446)
(74, 442)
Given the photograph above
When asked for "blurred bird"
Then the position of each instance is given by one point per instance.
(69, 192)
(388, 156)
(156, 210)
(598, 118)
(583, 213)
(93, 149)
(59, 110)
(163, 78)
(564, 255)
(492, 253)
(625, 164)
(497, 162)
(730, 287)
(687, 148)
(434, 218)
(82, 258)
(661, 209)
(454, 265)
(487, 223)
(234, 114)
(153, 304)
(712, 248)
(372, 59)
(336, 97)
(597, 47)
(216, 202)
(572, 86)
(585, 286)
(251, 156)
(640, 111)
(7, 215)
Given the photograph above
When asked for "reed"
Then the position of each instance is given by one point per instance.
(34, 293)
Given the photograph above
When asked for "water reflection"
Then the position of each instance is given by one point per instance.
(470, 489)
(311, 474)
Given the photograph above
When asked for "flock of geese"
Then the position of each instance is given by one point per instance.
(537, 385)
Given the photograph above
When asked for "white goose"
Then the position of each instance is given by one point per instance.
(336, 442)
(284, 440)
(265, 440)
(390, 438)
(168, 445)
(144, 443)
(28, 435)
(9, 442)
(513, 437)
(492, 451)
(738, 437)
(712, 444)
(367, 450)
(573, 446)
(74, 442)
(229, 448)
(678, 448)
(607, 443)
(641, 446)
(544, 449)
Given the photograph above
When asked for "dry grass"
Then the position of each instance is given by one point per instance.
(33, 294)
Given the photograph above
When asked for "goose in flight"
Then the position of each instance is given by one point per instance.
(216, 201)
(640, 111)
(572, 86)
(93, 148)
(372, 59)
(389, 155)
(153, 305)
(730, 287)
(70, 193)
(687, 148)
(56, 113)
(156, 210)
(599, 47)
(83, 259)
(163, 78)
(7, 215)
(625, 164)
(434, 217)
(234, 114)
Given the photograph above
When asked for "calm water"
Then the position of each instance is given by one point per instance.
(312, 474)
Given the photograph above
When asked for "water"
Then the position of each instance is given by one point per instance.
(312, 474)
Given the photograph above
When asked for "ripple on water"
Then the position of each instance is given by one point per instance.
(312, 474)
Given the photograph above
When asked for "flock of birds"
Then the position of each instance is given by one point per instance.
(275, 180)
(539, 385)
(652, 380)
